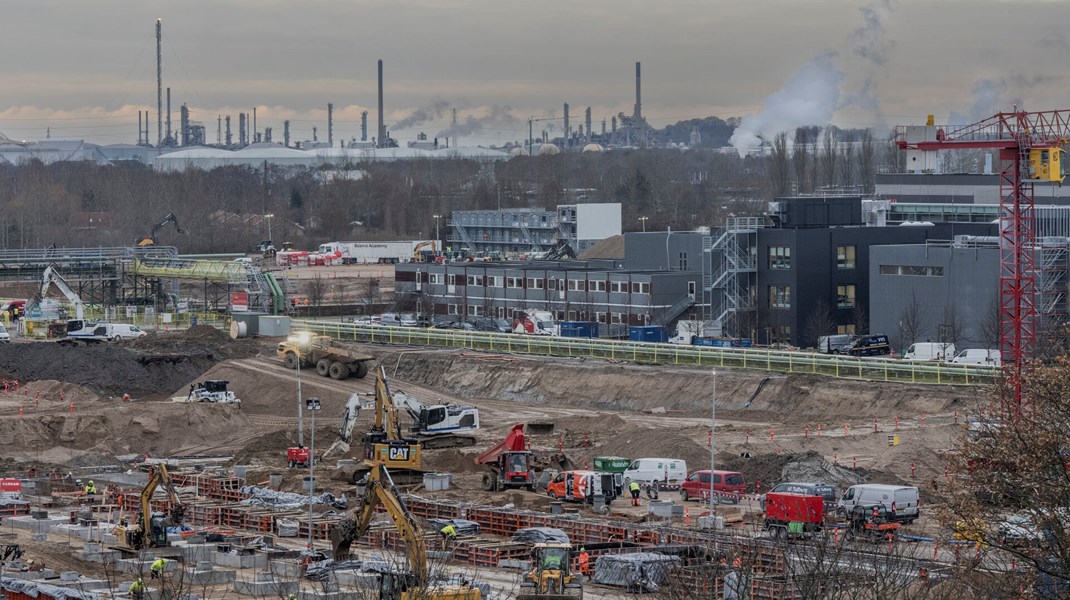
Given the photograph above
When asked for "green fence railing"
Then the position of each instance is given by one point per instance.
(776, 361)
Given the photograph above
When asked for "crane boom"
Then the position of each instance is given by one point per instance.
(1030, 149)
(51, 276)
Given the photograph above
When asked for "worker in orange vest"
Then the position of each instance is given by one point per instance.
(584, 561)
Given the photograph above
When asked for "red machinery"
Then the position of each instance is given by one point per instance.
(1029, 145)
(794, 513)
(298, 456)
(509, 462)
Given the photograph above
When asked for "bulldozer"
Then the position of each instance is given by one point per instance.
(551, 576)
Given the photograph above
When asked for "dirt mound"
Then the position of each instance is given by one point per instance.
(450, 460)
(771, 469)
(202, 340)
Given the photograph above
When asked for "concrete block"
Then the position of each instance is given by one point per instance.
(197, 552)
(356, 579)
(90, 547)
(39, 537)
(321, 595)
(210, 577)
(285, 568)
(70, 576)
(240, 561)
(265, 585)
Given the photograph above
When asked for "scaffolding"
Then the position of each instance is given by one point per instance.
(1051, 277)
(735, 274)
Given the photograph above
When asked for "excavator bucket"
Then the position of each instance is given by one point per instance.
(342, 538)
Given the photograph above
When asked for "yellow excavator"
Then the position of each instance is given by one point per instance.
(551, 576)
(416, 584)
(150, 529)
(384, 443)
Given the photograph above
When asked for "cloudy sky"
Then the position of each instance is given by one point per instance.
(84, 68)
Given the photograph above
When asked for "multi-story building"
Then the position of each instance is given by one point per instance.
(533, 231)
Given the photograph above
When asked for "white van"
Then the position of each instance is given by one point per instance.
(4, 335)
(940, 351)
(118, 331)
(899, 500)
(978, 356)
(668, 472)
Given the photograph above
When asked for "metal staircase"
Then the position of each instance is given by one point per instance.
(667, 314)
(735, 272)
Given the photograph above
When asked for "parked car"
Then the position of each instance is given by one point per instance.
(978, 356)
(834, 344)
(122, 331)
(900, 501)
(667, 472)
(868, 345)
(462, 325)
(422, 320)
(392, 319)
(824, 490)
(728, 485)
(503, 325)
(4, 335)
(407, 320)
(938, 351)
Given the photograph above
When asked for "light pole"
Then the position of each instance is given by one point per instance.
(313, 405)
(643, 220)
(713, 444)
(437, 239)
(269, 217)
(303, 340)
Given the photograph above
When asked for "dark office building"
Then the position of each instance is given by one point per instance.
(807, 268)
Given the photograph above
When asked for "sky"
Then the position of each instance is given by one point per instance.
(83, 70)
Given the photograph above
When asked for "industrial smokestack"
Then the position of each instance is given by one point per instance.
(159, 84)
(314, 134)
(241, 129)
(184, 123)
(229, 138)
(588, 115)
(255, 136)
(330, 125)
(454, 130)
(638, 95)
(566, 125)
(286, 133)
(169, 140)
(219, 130)
(381, 141)
(364, 126)
(139, 128)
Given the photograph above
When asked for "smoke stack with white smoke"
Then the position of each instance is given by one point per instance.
(423, 114)
(808, 97)
(496, 116)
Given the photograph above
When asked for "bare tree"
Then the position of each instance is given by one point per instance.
(988, 328)
(828, 157)
(316, 288)
(847, 163)
(818, 323)
(953, 329)
(779, 170)
(860, 319)
(800, 157)
(911, 323)
(866, 166)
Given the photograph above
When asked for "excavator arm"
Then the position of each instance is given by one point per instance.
(51, 276)
(151, 240)
(386, 410)
(381, 491)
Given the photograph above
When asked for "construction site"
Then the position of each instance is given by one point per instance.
(89, 433)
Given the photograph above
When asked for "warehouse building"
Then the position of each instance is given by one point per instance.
(533, 231)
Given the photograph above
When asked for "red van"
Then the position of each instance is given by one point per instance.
(728, 485)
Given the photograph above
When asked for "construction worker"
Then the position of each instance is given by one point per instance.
(156, 570)
(449, 532)
(126, 397)
(584, 561)
(90, 488)
(137, 589)
(551, 560)
(633, 487)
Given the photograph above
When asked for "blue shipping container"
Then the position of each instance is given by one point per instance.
(579, 329)
(648, 334)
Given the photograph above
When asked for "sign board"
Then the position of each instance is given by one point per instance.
(10, 489)
(239, 302)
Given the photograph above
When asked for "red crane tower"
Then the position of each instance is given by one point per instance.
(1029, 145)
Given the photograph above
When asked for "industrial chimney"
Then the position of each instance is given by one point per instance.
(286, 132)
(638, 95)
(159, 84)
(381, 141)
(364, 126)
(588, 115)
(566, 126)
(330, 125)
(169, 140)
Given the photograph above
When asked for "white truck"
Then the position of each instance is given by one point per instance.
(371, 252)
(535, 322)
(688, 331)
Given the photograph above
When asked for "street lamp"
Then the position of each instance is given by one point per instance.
(313, 405)
(713, 445)
(643, 220)
(269, 217)
(436, 218)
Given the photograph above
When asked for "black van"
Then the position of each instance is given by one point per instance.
(868, 345)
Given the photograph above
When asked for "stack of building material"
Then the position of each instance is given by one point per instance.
(638, 572)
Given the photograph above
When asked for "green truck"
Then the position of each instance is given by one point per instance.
(611, 464)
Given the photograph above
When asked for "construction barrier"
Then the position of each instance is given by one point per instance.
(779, 361)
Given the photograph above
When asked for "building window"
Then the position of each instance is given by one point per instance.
(501, 312)
(494, 281)
(845, 257)
(514, 282)
(600, 317)
(683, 261)
(617, 317)
(436, 278)
(475, 310)
(781, 333)
(476, 280)
(619, 287)
(571, 315)
(453, 309)
(779, 257)
(915, 271)
(576, 285)
(640, 287)
(845, 296)
(452, 279)
(780, 296)
(551, 284)
(848, 329)
(535, 283)
(596, 286)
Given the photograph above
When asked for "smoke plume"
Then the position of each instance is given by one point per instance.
(869, 40)
(989, 96)
(497, 116)
(423, 114)
(808, 97)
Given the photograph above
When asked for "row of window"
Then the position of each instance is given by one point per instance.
(912, 270)
(538, 283)
(480, 311)
(780, 257)
(780, 296)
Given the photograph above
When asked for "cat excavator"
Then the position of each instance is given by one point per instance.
(150, 529)
(150, 240)
(416, 583)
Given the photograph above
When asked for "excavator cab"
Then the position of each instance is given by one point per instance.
(551, 576)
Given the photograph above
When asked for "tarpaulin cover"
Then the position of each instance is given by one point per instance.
(267, 498)
(321, 571)
(463, 527)
(540, 535)
(36, 590)
(642, 572)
